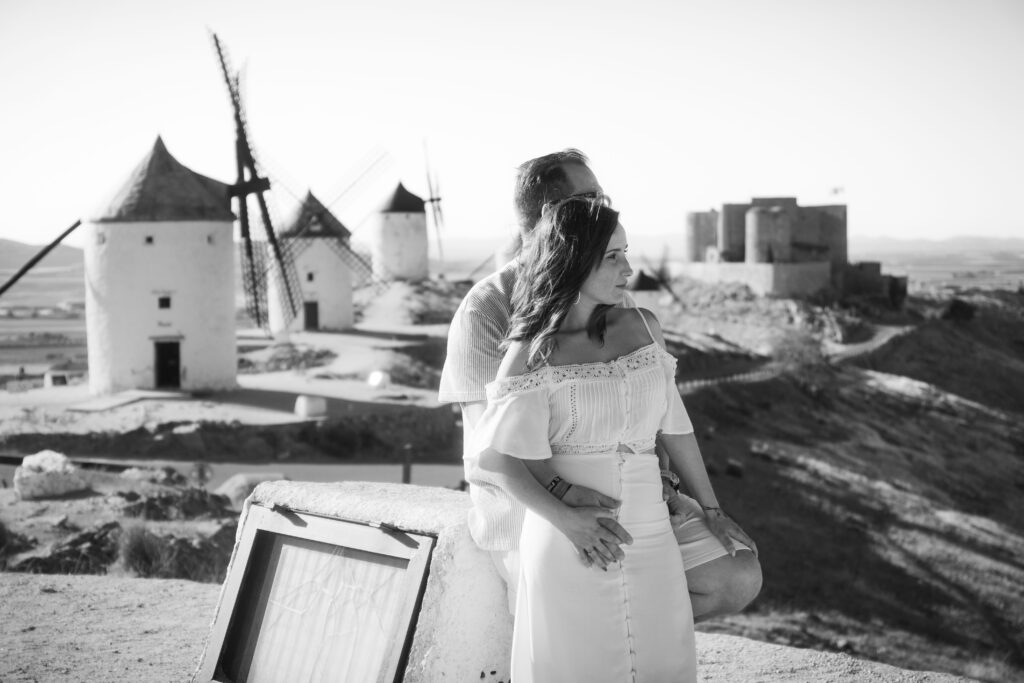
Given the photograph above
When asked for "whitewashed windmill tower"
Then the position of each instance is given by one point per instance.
(398, 238)
(159, 276)
(317, 243)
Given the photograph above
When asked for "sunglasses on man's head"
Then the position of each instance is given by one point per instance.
(594, 197)
(601, 197)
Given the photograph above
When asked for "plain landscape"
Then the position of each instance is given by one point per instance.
(876, 455)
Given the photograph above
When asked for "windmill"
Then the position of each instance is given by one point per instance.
(255, 268)
(434, 202)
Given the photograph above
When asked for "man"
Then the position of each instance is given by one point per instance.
(721, 578)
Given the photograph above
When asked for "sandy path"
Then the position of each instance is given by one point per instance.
(121, 630)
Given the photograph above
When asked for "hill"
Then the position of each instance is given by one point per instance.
(883, 489)
(13, 255)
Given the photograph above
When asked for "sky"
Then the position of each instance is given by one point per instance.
(909, 111)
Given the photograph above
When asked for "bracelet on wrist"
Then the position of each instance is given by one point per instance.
(672, 478)
(558, 487)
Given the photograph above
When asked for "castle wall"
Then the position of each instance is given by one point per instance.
(765, 279)
(865, 278)
(833, 221)
(129, 267)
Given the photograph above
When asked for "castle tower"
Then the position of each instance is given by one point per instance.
(159, 282)
(398, 238)
(732, 232)
(318, 244)
(769, 235)
(700, 233)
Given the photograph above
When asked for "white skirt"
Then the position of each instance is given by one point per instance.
(631, 623)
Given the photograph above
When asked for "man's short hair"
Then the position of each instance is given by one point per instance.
(543, 180)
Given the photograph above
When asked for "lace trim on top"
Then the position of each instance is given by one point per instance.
(639, 359)
(636, 446)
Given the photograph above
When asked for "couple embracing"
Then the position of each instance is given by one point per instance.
(576, 441)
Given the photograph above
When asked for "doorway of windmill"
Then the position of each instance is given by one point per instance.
(168, 365)
(311, 316)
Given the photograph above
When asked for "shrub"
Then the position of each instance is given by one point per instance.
(144, 553)
(169, 557)
(798, 349)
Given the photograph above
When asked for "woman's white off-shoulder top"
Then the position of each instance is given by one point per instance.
(585, 408)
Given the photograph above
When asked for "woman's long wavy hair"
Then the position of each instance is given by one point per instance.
(566, 247)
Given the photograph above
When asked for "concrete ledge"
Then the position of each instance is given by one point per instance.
(464, 630)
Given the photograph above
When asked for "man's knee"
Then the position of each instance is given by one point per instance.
(728, 583)
(744, 582)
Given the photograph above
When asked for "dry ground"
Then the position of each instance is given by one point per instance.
(92, 628)
(886, 496)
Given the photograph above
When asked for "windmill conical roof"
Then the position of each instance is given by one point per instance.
(313, 219)
(161, 188)
(403, 201)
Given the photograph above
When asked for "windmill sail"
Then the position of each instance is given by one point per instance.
(434, 202)
(258, 264)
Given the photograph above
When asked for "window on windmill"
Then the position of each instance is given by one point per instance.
(209, 239)
(309, 277)
(101, 238)
(149, 239)
(163, 302)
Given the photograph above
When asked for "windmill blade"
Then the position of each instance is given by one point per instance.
(38, 257)
(249, 182)
(368, 170)
(434, 200)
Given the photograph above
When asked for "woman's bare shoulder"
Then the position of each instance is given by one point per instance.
(633, 321)
(515, 361)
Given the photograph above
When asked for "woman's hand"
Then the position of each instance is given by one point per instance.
(725, 529)
(595, 534)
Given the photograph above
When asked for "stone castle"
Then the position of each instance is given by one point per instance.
(779, 248)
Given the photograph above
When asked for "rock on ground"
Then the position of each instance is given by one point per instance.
(47, 474)
(121, 630)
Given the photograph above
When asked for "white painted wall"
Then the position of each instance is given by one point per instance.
(398, 246)
(189, 261)
(331, 288)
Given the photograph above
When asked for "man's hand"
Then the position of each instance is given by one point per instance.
(594, 534)
(677, 512)
(579, 497)
(725, 529)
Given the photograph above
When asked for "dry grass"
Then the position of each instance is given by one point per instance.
(148, 555)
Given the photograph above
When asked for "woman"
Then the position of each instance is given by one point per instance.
(589, 385)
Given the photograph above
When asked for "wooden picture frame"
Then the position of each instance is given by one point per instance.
(307, 595)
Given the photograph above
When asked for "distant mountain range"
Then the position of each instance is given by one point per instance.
(945, 247)
(13, 255)
(58, 277)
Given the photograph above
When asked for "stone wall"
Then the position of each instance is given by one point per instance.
(765, 279)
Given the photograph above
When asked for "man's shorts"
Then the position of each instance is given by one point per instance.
(697, 544)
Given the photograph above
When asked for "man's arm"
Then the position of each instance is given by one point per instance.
(528, 482)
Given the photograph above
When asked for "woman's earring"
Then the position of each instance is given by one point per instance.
(577, 299)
